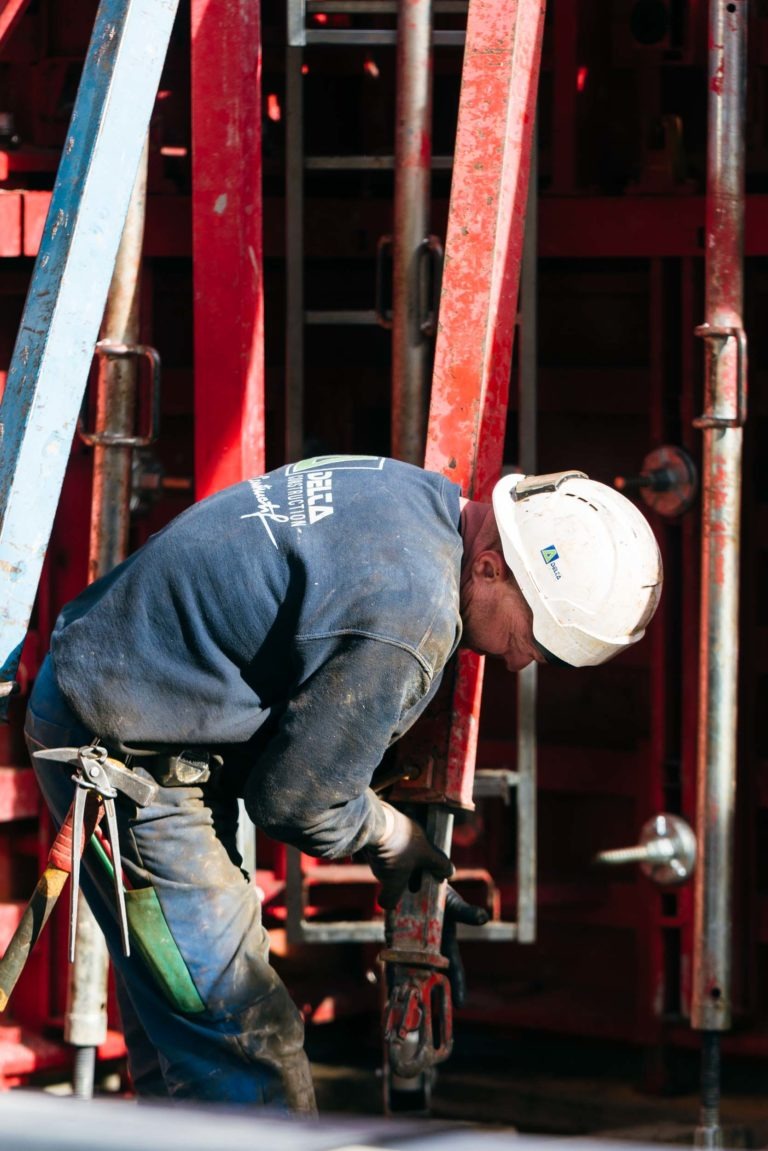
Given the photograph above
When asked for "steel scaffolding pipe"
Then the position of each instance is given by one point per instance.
(721, 424)
(85, 1022)
(413, 156)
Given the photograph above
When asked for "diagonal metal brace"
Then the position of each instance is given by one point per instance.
(65, 302)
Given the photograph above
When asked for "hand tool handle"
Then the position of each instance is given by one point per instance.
(49, 887)
(62, 849)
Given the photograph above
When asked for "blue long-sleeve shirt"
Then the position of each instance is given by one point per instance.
(306, 614)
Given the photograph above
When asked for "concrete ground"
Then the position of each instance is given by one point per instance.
(546, 1085)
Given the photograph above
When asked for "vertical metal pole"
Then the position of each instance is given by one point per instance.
(527, 679)
(413, 157)
(722, 421)
(294, 254)
(227, 242)
(85, 1021)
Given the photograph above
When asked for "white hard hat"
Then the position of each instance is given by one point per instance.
(585, 559)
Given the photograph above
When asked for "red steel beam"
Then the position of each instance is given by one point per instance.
(478, 303)
(227, 242)
(11, 11)
(465, 441)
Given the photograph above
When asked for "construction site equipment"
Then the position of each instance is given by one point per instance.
(668, 481)
(666, 851)
(725, 402)
(416, 255)
(227, 243)
(114, 439)
(465, 439)
(577, 618)
(68, 291)
(97, 779)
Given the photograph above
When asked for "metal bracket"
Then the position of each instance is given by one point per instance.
(114, 351)
(383, 314)
(716, 338)
(431, 262)
(419, 1026)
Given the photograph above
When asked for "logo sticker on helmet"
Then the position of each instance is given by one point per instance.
(549, 555)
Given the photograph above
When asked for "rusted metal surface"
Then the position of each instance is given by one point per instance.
(413, 156)
(484, 243)
(725, 410)
(478, 304)
(85, 1019)
(468, 410)
(227, 242)
(64, 307)
(116, 395)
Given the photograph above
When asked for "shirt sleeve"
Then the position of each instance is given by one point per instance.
(310, 785)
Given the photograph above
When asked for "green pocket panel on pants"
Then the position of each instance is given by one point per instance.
(150, 933)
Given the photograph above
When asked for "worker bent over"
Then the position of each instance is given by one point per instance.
(270, 644)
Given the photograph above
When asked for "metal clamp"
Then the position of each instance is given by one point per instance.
(716, 338)
(115, 351)
(419, 1026)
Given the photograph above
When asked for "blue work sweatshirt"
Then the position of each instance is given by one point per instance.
(304, 616)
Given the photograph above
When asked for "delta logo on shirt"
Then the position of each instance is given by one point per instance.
(309, 484)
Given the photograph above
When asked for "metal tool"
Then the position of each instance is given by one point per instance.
(95, 773)
(98, 780)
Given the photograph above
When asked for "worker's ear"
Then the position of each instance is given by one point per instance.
(489, 566)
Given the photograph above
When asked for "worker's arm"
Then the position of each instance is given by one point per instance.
(311, 785)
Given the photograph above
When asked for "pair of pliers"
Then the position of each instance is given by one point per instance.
(98, 778)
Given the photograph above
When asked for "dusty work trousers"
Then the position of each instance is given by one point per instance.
(205, 1016)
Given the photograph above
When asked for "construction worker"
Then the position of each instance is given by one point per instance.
(271, 643)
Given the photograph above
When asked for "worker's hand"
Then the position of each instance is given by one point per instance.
(402, 849)
(457, 910)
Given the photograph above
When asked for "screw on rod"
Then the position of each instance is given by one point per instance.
(84, 1072)
(709, 1132)
(656, 851)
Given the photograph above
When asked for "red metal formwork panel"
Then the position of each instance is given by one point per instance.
(227, 242)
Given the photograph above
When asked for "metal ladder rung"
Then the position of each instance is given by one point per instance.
(341, 318)
(444, 38)
(366, 163)
(381, 7)
(492, 783)
(372, 931)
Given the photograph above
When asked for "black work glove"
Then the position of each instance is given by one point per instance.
(402, 848)
(457, 910)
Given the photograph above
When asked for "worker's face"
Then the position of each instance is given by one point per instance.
(497, 620)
